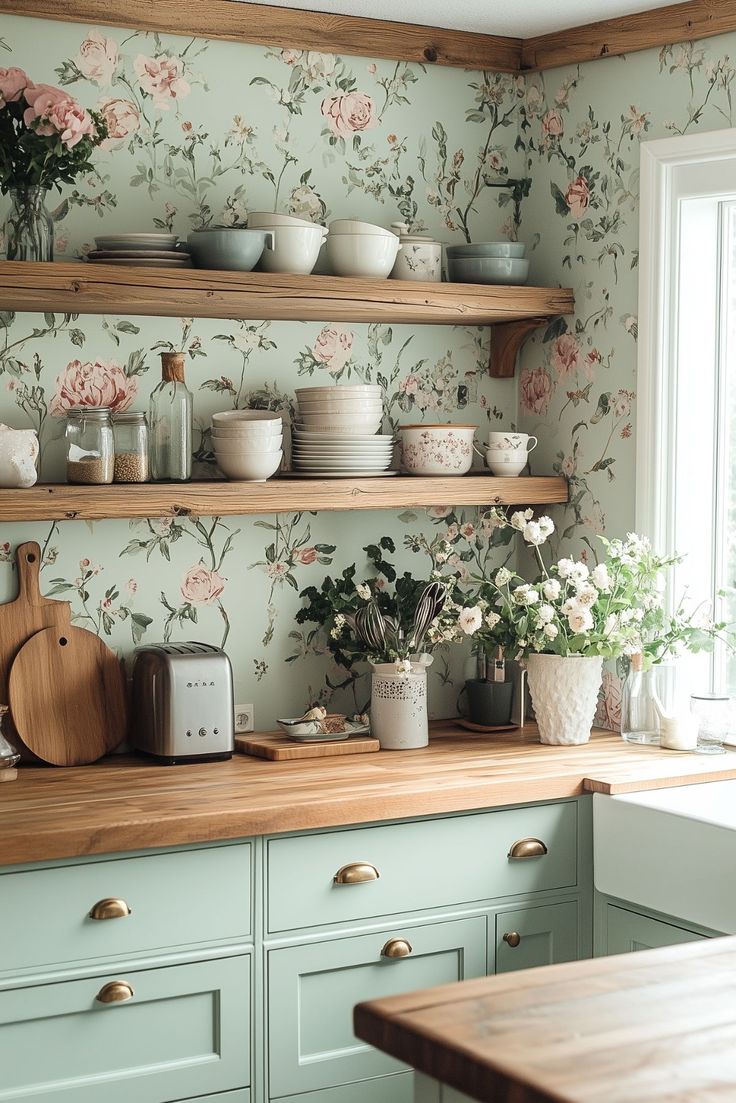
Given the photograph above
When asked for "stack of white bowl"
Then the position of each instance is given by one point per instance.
(296, 242)
(247, 443)
(361, 249)
(337, 432)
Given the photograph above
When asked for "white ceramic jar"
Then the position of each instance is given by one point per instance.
(399, 707)
(437, 449)
(18, 456)
(420, 258)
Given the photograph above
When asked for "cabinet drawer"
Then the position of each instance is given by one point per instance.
(175, 899)
(242, 1096)
(383, 1089)
(184, 1032)
(423, 865)
(629, 931)
(314, 987)
(546, 935)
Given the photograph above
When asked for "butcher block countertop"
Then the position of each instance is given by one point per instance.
(125, 803)
(659, 1025)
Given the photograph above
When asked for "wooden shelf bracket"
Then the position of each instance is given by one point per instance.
(506, 341)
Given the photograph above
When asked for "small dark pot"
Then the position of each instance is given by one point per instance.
(489, 703)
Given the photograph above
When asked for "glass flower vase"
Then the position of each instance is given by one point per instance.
(29, 228)
(646, 696)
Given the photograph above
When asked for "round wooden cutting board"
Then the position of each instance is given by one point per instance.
(67, 696)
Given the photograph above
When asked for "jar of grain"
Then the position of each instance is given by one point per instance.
(90, 450)
(130, 430)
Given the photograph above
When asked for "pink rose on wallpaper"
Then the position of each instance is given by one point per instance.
(307, 556)
(202, 586)
(161, 77)
(535, 391)
(102, 383)
(577, 196)
(608, 713)
(122, 118)
(97, 59)
(12, 83)
(565, 357)
(591, 359)
(552, 124)
(410, 385)
(351, 112)
(333, 347)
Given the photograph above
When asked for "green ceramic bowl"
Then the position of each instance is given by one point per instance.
(513, 249)
(503, 270)
(229, 250)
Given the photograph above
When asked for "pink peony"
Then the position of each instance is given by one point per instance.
(161, 77)
(202, 586)
(552, 124)
(122, 118)
(307, 555)
(97, 59)
(349, 113)
(565, 358)
(577, 196)
(12, 83)
(103, 383)
(333, 347)
(72, 121)
(536, 391)
(40, 99)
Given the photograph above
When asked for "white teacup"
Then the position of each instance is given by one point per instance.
(511, 442)
(506, 468)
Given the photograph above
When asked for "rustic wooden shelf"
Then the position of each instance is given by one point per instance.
(60, 502)
(81, 288)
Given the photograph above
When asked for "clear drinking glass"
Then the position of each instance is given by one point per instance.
(713, 711)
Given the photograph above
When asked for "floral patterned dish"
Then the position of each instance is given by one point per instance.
(437, 449)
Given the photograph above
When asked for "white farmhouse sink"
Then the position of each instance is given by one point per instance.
(672, 850)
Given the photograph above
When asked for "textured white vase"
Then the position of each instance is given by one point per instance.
(564, 693)
(399, 707)
(18, 456)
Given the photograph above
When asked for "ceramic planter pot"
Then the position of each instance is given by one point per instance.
(489, 703)
(437, 449)
(564, 693)
(399, 707)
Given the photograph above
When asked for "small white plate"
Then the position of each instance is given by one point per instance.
(136, 241)
(333, 438)
(314, 474)
(146, 262)
(125, 254)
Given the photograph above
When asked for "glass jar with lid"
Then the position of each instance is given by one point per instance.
(90, 449)
(130, 431)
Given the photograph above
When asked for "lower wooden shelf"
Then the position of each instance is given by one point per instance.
(61, 502)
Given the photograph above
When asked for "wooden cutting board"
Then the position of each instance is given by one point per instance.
(28, 614)
(67, 696)
(278, 748)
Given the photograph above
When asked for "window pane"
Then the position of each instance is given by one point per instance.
(725, 665)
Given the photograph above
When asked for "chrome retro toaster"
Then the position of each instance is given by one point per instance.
(182, 702)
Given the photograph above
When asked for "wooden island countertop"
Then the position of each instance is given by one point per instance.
(657, 1026)
(125, 803)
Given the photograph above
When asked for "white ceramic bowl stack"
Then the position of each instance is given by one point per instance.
(361, 249)
(337, 433)
(248, 443)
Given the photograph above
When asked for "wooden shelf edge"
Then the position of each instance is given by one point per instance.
(62, 502)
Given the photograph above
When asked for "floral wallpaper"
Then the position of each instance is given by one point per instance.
(201, 132)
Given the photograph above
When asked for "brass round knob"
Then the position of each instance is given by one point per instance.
(396, 947)
(356, 873)
(109, 908)
(513, 938)
(117, 991)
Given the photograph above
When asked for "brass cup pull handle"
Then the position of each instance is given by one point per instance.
(527, 848)
(396, 947)
(356, 873)
(117, 991)
(513, 938)
(109, 908)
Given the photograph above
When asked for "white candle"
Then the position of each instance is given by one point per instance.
(678, 733)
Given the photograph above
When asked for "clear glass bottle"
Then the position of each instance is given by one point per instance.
(130, 431)
(645, 697)
(170, 422)
(90, 449)
(29, 228)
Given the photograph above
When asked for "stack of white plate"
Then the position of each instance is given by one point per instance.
(336, 432)
(247, 443)
(325, 454)
(141, 250)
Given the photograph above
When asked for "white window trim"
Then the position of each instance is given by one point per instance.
(658, 210)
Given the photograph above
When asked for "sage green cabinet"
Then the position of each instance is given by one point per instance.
(398, 1088)
(183, 1031)
(534, 936)
(421, 865)
(313, 988)
(629, 931)
(242, 1096)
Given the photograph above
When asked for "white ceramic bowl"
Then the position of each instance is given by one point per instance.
(295, 250)
(505, 470)
(350, 390)
(340, 406)
(230, 417)
(362, 256)
(250, 431)
(341, 226)
(253, 468)
(437, 449)
(346, 423)
(265, 220)
(232, 448)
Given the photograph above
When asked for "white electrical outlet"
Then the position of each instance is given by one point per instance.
(244, 718)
